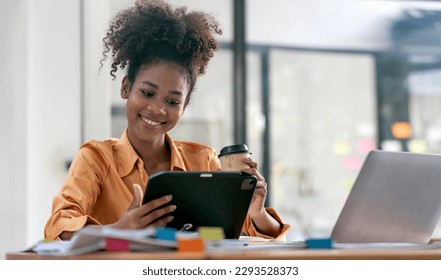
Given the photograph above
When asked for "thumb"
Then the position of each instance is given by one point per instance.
(137, 197)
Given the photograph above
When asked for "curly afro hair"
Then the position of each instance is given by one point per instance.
(152, 31)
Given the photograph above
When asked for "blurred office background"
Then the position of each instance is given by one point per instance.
(326, 82)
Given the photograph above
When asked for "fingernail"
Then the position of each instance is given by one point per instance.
(168, 197)
(172, 207)
(169, 218)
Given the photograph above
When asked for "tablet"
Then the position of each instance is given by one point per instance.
(218, 198)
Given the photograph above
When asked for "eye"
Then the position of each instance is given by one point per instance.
(173, 102)
(147, 93)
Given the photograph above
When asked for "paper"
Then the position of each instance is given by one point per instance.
(91, 238)
(252, 243)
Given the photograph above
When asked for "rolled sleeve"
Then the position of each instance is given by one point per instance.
(249, 228)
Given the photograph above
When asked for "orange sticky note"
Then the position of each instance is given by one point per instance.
(401, 130)
(114, 244)
(191, 245)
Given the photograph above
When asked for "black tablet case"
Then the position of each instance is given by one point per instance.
(205, 198)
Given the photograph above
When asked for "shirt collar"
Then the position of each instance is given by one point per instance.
(177, 162)
(127, 157)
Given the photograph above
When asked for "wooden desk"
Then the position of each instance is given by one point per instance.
(334, 254)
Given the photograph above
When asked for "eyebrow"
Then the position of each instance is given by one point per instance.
(176, 92)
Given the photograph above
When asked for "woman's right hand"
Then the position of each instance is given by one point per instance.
(142, 215)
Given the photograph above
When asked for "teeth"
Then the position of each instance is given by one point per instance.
(150, 122)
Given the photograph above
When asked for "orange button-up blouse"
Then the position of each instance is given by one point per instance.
(98, 188)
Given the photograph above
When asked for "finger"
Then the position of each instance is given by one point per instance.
(261, 185)
(250, 162)
(156, 203)
(162, 222)
(260, 178)
(254, 171)
(260, 193)
(261, 188)
(137, 197)
(159, 214)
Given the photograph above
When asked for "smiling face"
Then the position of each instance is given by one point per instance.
(155, 102)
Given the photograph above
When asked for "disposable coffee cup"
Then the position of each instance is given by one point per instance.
(231, 157)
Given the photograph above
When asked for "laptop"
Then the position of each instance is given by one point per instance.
(205, 199)
(395, 198)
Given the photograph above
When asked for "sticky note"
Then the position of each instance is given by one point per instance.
(391, 145)
(364, 146)
(401, 130)
(319, 243)
(191, 245)
(211, 233)
(114, 244)
(166, 233)
(417, 146)
(341, 148)
(352, 163)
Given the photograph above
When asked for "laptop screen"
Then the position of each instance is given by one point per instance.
(395, 198)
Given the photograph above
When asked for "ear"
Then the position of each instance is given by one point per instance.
(125, 87)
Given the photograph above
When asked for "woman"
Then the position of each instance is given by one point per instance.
(164, 50)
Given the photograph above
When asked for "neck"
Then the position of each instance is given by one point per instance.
(155, 154)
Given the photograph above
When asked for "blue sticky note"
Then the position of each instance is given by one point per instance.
(319, 243)
(166, 233)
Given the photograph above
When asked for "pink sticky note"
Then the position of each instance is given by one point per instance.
(352, 163)
(114, 244)
(365, 146)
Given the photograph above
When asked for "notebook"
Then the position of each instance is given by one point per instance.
(213, 199)
(395, 198)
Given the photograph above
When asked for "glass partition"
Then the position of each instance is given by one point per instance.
(327, 81)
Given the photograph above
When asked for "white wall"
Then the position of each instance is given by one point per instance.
(96, 82)
(54, 113)
(13, 124)
(40, 116)
(53, 98)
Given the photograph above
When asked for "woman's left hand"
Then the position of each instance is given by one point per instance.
(257, 206)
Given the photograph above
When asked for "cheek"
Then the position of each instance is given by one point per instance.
(132, 108)
(133, 102)
(172, 117)
(176, 114)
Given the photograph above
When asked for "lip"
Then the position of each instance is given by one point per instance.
(149, 122)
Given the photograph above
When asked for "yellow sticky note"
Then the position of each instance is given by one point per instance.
(211, 233)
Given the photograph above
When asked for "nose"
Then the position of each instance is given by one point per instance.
(159, 110)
